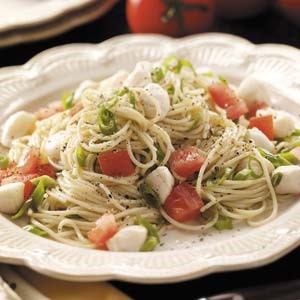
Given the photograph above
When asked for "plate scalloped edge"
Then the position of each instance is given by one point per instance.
(258, 247)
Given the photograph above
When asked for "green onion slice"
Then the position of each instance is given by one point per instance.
(106, 121)
(255, 167)
(68, 101)
(150, 228)
(196, 121)
(35, 230)
(276, 179)
(223, 80)
(4, 161)
(157, 74)
(22, 210)
(38, 194)
(150, 244)
(81, 156)
(47, 181)
(160, 154)
(223, 223)
(218, 177)
(150, 196)
(175, 64)
(242, 175)
(290, 157)
(208, 74)
(276, 160)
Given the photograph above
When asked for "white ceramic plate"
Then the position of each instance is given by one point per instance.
(29, 20)
(183, 256)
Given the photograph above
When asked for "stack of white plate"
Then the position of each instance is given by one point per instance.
(29, 20)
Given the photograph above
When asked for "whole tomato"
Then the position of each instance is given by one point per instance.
(238, 9)
(291, 9)
(170, 17)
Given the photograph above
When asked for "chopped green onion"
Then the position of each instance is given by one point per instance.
(223, 80)
(157, 74)
(4, 161)
(150, 196)
(68, 101)
(208, 74)
(150, 244)
(22, 210)
(290, 157)
(242, 175)
(223, 223)
(47, 181)
(106, 121)
(276, 160)
(175, 64)
(126, 91)
(38, 194)
(35, 230)
(218, 177)
(132, 98)
(296, 132)
(253, 163)
(171, 90)
(196, 121)
(150, 228)
(81, 156)
(160, 155)
(276, 179)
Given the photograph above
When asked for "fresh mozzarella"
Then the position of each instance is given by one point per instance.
(161, 181)
(253, 91)
(17, 125)
(53, 145)
(260, 139)
(115, 81)
(283, 122)
(11, 197)
(289, 183)
(140, 76)
(155, 100)
(130, 239)
(83, 86)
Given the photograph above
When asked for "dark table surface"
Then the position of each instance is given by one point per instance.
(267, 28)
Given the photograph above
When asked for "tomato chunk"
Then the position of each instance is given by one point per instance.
(116, 163)
(255, 107)
(45, 169)
(264, 124)
(183, 204)
(31, 162)
(233, 112)
(28, 189)
(106, 227)
(186, 162)
(222, 95)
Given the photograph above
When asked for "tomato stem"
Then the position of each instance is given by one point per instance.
(175, 9)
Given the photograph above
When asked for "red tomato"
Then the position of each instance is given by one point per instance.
(45, 169)
(264, 124)
(31, 162)
(29, 187)
(237, 9)
(186, 162)
(116, 163)
(291, 9)
(183, 204)
(106, 227)
(222, 95)
(233, 112)
(146, 16)
(255, 107)
(50, 110)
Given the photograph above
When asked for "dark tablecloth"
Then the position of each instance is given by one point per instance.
(267, 28)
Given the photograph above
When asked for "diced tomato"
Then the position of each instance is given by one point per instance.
(106, 227)
(45, 169)
(186, 162)
(255, 107)
(50, 110)
(222, 95)
(29, 187)
(31, 162)
(116, 163)
(233, 112)
(264, 124)
(183, 204)
(296, 152)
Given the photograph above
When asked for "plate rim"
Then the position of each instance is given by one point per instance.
(116, 273)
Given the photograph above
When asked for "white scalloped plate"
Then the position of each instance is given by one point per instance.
(183, 256)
